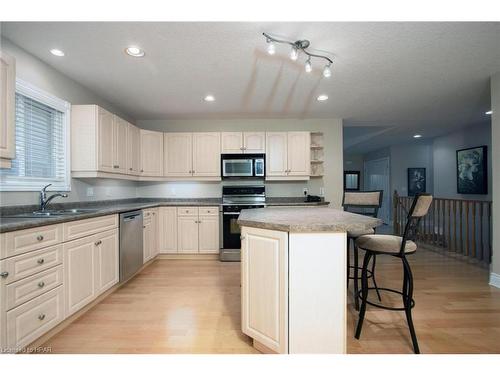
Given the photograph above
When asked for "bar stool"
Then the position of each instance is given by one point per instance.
(369, 202)
(399, 247)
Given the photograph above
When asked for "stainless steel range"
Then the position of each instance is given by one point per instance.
(235, 199)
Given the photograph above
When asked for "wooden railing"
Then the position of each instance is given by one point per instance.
(457, 225)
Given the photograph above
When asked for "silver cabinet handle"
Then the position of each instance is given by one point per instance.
(130, 169)
(39, 237)
(142, 170)
(41, 316)
(41, 284)
(242, 238)
(4, 274)
(98, 243)
(41, 261)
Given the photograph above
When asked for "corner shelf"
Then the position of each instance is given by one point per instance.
(317, 154)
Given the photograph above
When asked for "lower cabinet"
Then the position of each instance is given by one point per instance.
(150, 234)
(208, 234)
(198, 230)
(90, 268)
(167, 230)
(187, 237)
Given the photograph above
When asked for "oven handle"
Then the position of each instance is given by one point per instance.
(230, 213)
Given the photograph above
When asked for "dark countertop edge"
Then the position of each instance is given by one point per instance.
(26, 223)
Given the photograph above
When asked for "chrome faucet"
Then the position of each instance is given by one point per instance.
(44, 201)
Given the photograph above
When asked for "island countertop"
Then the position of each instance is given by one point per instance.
(306, 219)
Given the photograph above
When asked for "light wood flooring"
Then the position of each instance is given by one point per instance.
(187, 306)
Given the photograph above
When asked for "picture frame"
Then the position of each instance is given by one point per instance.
(417, 181)
(472, 170)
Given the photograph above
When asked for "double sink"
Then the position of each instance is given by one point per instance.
(53, 213)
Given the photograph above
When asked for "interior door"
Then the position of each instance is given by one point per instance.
(376, 177)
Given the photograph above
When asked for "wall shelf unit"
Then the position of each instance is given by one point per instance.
(317, 154)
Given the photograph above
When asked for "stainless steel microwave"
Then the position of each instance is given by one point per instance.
(243, 166)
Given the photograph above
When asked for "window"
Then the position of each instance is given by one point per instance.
(42, 142)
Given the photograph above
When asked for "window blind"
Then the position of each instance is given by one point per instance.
(40, 147)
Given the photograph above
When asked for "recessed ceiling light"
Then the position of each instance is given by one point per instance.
(134, 51)
(209, 98)
(57, 52)
(417, 136)
(322, 98)
(488, 112)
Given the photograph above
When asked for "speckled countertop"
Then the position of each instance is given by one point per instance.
(9, 223)
(306, 219)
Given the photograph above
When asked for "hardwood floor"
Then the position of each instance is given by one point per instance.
(186, 306)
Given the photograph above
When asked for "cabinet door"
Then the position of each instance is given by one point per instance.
(276, 154)
(155, 243)
(178, 156)
(119, 145)
(151, 153)
(254, 142)
(299, 153)
(146, 238)
(133, 149)
(187, 234)
(206, 154)
(209, 234)
(7, 109)
(232, 142)
(106, 261)
(264, 286)
(168, 230)
(106, 141)
(79, 273)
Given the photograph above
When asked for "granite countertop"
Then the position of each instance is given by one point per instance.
(306, 219)
(9, 223)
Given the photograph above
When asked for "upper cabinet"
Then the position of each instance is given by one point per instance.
(288, 155)
(192, 155)
(243, 143)
(102, 143)
(7, 109)
(151, 153)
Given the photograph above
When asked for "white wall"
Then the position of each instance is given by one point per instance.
(495, 126)
(445, 170)
(33, 70)
(332, 181)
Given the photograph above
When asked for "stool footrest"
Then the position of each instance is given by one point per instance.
(412, 304)
(368, 272)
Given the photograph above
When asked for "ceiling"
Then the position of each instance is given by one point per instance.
(400, 78)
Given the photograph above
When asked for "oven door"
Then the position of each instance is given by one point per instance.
(230, 230)
(237, 168)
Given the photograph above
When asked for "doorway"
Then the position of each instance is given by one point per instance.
(376, 177)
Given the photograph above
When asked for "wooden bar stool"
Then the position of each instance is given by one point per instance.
(366, 203)
(399, 247)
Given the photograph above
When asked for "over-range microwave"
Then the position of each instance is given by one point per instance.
(243, 166)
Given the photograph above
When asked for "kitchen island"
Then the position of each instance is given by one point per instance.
(293, 277)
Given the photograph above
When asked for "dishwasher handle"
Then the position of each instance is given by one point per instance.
(132, 217)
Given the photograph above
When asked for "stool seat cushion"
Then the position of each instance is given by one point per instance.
(358, 233)
(384, 243)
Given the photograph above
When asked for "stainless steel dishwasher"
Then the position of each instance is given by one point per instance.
(131, 252)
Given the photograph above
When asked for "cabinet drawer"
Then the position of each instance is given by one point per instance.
(26, 289)
(22, 241)
(29, 264)
(209, 211)
(187, 211)
(87, 227)
(29, 321)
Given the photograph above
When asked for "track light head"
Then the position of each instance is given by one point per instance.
(327, 71)
(294, 54)
(271, 48)
(308, 66)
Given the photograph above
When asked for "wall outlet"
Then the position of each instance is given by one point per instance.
(90, 192)
(322, 191)
(304, 191)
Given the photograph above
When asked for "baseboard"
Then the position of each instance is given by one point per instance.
(189, 256)
(495, 280)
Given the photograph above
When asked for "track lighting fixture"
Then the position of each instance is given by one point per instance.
(297, 47)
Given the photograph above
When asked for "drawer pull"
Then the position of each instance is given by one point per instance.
(41, 316)
(39, 237)
(116, 166)
(98, 243)
(4, 274)
(41, 284)
(41, 261)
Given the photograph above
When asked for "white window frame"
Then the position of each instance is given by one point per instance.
(33, 92)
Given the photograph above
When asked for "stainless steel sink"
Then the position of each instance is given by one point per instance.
(76, 211)
(53, 213)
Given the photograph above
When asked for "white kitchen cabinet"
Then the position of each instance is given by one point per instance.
(150, 234)
(208, 232)
(187, 234)
(133, 150)
(7, 109)
(106, 254)
(178, 155)
(167, 230)
(264, 286)
(243, 142)
(288, 155)
(105, 141)
(79, 269)
(206, 154)
(155, 248)
(119, 145)
(151, 153)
